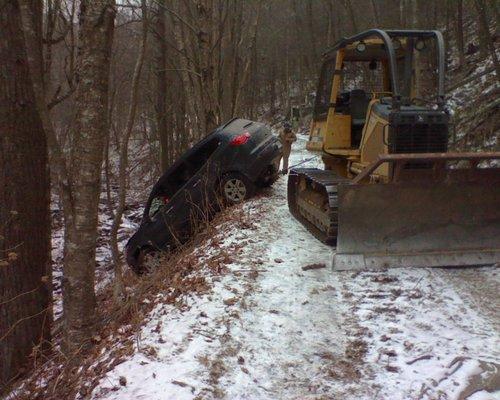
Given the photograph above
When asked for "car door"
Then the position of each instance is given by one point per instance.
(193, 202)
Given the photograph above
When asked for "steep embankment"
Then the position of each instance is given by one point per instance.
(271, 328)
(474, 95)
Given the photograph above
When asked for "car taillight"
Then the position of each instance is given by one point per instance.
(240, 139)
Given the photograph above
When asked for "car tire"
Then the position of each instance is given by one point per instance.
(148, 259)
(235, 188)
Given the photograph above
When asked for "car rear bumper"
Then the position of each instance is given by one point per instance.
(267, 158)
(132, 256)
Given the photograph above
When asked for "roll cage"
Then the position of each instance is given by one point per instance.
(387, 37)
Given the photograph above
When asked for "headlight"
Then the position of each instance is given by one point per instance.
(361, 46)
(420, 45)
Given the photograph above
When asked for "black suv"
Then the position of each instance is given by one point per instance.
(225, 167)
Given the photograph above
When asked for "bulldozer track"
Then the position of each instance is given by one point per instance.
(322, 223)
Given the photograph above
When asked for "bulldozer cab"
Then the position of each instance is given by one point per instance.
(373, 67)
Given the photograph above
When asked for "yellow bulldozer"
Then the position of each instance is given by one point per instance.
(390, 193)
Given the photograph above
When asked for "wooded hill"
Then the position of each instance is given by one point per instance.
(97, 97)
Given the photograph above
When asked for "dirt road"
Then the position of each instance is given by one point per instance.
(280, 325)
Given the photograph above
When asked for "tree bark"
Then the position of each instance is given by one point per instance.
(460, 33)
(376, 18)
(245, 74)
(310, 25)
(204, 44)
(25, 285)
(352, 16)
(164, 133)
(192, 97)
(123, 163)
(487, 43)
(96, 22)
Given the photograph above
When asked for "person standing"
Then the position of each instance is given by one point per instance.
(287, 137)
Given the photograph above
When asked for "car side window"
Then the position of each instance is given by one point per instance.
(199, 158)
(182, 174)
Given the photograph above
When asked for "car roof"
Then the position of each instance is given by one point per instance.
(236, 126)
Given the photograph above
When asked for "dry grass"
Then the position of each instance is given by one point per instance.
(182, 273)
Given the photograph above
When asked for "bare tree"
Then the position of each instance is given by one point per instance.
(96, 24)
(122, 179)
(460, 32)
(352, 15)
(488, 45)
(25, 284)
(376, 18)
(162, 123)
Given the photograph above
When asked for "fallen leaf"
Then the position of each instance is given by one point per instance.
(231, 301)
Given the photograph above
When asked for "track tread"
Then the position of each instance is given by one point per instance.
(329, 181)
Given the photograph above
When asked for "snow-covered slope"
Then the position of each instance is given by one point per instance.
(269, 328)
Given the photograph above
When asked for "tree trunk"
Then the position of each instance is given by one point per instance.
(91, 98)
(310, 25)
(203, 48)
(192, 96)
(487, 43)
(25, 285)
(495, 6)
(376, 18)
(301, 64)
(123, 165)
(236, 59)
(329, 29)
(162, 87)
(460, 33)
(352, 16)
(245, 74)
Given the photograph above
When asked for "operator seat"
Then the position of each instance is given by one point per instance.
(358, 105)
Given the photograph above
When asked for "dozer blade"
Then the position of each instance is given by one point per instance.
(454, 222)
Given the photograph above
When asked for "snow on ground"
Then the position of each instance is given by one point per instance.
(426, 338)
(268, 329)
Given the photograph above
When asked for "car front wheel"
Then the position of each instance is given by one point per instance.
(148, 260)
(235, 188)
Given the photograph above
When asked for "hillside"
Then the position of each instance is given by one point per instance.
(101, 98)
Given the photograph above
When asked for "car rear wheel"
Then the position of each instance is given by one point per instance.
(236, 187)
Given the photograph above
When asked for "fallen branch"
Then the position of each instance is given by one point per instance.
(314, 266)
(423, 357)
